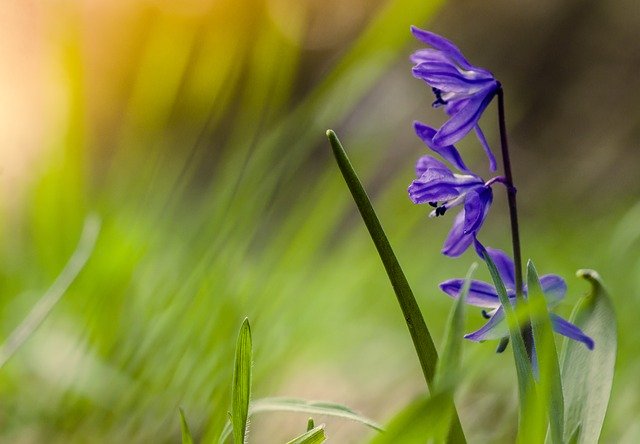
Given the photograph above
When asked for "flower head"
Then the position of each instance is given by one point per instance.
(485, 295)
(438, 186)
(462, 89)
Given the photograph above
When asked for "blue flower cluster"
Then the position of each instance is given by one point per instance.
(464, 91)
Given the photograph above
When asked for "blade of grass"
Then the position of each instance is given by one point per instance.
(241, 386)
(52, 296)
(550, 382)
(523, 365)
(302, 406)
(184, 427)
(422, 341)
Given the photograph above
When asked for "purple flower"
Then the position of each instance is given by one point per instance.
(485, 295)
(438, 186)
(463, 89)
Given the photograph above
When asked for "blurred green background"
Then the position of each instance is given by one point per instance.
(195, 130)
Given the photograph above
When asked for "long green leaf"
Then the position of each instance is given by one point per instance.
(311, 407)
(588, 375)
(448, 368)
(241, 386)
(523, 366)
(186, 433)
(313, 436)
(422, 341)
(302, 406)
(549, 382)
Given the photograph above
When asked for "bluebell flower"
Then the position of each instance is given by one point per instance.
(485, 296)
(464, 90)
(439, 187)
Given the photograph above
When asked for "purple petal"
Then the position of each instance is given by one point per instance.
(462, 122)
(428, 55)
(480, 294)
(430, 163)
(457, 241)
(493, 329)
(449, 152)
(476, 207)
(444, 45)
(487, 148)
(569, 330)
(505, 267)
(554, 288)
(446, 77)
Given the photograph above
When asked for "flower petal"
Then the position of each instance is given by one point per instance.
(449, 152)
(429, 55)
(476, 207)
(444, 45)
(463, 121)
(431, 163)
(554, 288)
(495, 328)
(480, 294)
(505, 267)
(487, 148)
(457, 241)
(569, 330)
(446, 77)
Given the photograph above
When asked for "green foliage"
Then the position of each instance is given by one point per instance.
(546, 403)
(241, 386)
(588, 374)
(184, 427)
(523, 365)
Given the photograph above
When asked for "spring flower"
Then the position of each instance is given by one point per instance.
(438, 186)
(464, 90)
(485, 296)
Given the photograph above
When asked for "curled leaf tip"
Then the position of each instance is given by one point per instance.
(588, 274)
(330, 133)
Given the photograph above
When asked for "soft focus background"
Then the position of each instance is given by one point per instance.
(195, 130)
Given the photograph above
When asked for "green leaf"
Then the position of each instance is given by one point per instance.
(301, 406)
(313, 436)
(448, 369)
(422, 341)
(241, 386)
(311, 407)
(549, 385)
(447, 372)
(588, 375)
(427, 418)
(523, 366)
(186, 433)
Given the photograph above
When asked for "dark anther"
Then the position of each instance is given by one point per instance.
(503, 345)
(439, 100)
(441, 210)
(485, 314)
(433, 204)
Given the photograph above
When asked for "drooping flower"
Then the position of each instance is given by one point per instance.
(463, 89)
(438, 186)
(485, 296)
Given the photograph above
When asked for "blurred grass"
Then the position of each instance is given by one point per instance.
(201, 145)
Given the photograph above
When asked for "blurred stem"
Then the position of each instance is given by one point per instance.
(513, 215)
(422, 341)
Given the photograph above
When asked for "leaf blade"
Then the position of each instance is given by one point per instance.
(241, 385)
(313, 436)
(588, 375)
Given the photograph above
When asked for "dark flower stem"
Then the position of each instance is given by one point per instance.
(513, 214)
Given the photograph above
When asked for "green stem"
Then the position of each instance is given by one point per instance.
(422, 341)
